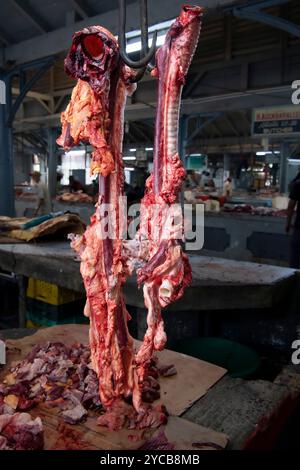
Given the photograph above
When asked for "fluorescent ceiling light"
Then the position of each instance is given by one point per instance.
(129, 158)
(134, 37)
(155, 27)
(132, 150)
(268, 153)
(75, 153)
(294, 160)
(148, 149)
(127, 168)
(137, 45)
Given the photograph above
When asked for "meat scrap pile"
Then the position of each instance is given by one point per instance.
(61, 377)
(78, 196)
(56, 375)
(19, 432)
(95, 115)
(255, 210)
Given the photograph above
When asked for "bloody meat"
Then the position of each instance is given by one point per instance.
(96, 114)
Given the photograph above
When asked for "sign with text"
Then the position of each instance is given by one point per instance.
(276, 121)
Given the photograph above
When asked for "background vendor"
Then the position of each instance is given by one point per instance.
(43, 196)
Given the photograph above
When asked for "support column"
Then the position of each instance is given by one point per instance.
(52, 162)
(7, 197)
(284, 154)
(183, 122)
(22, 283)
(226, 162)
(226, 165)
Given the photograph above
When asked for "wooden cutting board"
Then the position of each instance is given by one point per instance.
(183, 434)
(194, 378)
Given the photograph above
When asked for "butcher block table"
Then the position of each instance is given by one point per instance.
(193, 379)
(218, 284)
(206, 405)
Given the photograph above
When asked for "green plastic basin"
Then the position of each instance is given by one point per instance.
(239, 360)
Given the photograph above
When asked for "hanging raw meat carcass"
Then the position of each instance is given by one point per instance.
(166, 272)
(95, 115)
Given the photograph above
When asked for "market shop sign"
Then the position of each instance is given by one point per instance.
(276, 121)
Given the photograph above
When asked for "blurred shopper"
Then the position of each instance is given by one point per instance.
(295, 240)
(59, 177)
(75, 185)
(227, 189)
(211, 184)
(297, 178)
(192, 179)
(43, 195)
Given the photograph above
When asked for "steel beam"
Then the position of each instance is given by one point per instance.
(284, 155)
(182, 136)
(140, 131)
(33, 94)
(231, 125)
(253, 13)
(12, 112)
(52, 162)
(59, 40)
(188, 89)
(7, 200)
(216, 130)
(210, 118)
(224, 102)
(80, 8)
(7, 114)
(4, 38)
(39, 23)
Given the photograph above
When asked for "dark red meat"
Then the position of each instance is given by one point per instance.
(96, 114)
(20, 432)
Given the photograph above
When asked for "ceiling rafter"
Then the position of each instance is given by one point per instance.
(4, 38)
(143, 131)
(26, 10)
(81, 9)
(231, 125)
(137, 132)
(32, 94)
(58, 103)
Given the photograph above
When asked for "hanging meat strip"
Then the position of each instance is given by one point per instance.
(167, 272)
(92, 59)
(95, 114)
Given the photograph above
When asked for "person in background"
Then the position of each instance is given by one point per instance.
(273, 173)
(211, 184)
(43, 196)
(294, 201)
(297, 178)
(227, 190)
(204, 178)
(75, 185)
(95, 185)
(192, 179)
(266, 171)
(59, 177)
